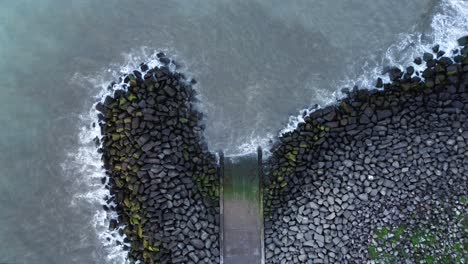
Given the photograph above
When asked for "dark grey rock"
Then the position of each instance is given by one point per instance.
(363, 196)
(197, 243)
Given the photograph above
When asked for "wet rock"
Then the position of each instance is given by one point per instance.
(427, 56)
(379, 83)
(418, 61)
(463, 41)
(395, 74)
(440, 53)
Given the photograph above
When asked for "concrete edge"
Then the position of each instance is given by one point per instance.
(260, 193)
(221, 207)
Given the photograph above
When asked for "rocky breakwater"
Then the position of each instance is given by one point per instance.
(381, 175)
(162, 179)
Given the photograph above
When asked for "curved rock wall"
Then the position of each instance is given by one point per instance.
(163, 181)
(380, 176)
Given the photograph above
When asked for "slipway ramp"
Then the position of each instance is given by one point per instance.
(241, 210)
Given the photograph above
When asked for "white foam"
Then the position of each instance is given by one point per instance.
(294, 121)
(87, 162)
(448, 23)
(86, 166)
(321, 96)
(250, 146)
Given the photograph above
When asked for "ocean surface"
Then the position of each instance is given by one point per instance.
(258, 63)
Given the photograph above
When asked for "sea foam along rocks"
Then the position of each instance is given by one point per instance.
(380, 176)
(162, 179)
